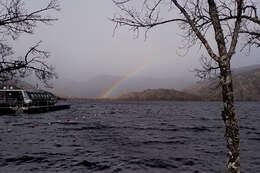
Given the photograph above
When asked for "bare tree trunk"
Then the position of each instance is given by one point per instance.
(230, 119)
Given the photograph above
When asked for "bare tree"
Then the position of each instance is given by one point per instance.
(228, 21)
(15, 19)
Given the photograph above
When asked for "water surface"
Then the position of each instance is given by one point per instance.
(110, 137)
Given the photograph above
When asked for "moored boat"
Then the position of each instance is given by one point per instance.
(30, 101)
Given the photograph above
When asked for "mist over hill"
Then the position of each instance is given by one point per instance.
(94, 87)
(246, 82)
(243, 69)
(246, 85)
(159, 95)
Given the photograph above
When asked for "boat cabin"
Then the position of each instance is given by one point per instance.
(22, 98)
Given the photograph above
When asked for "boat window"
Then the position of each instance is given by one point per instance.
(2, 95)
(26, 95)
(29, 95)
(14, 95)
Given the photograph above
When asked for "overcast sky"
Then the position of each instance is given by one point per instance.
(82, 45)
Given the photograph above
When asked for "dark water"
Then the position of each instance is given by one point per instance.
(152, 137)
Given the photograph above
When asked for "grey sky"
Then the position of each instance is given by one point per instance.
(82, 45)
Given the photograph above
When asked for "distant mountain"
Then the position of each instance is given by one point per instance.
(159, 95)
(245, 69)
(246, 82)
(94, 87)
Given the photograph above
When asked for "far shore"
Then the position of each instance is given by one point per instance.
(130, 100)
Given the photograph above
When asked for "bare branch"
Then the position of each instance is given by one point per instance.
(196, 31)
(15, 20)
(209, 69)
(236, 29)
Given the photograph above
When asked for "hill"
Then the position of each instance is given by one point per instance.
(246, 84)
(159, 95)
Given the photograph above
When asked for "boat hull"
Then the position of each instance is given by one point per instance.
(32, 109)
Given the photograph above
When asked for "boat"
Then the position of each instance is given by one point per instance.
(28, 100)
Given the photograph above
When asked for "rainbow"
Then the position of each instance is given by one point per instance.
(109, 90)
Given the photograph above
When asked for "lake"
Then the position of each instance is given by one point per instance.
(140, 137)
